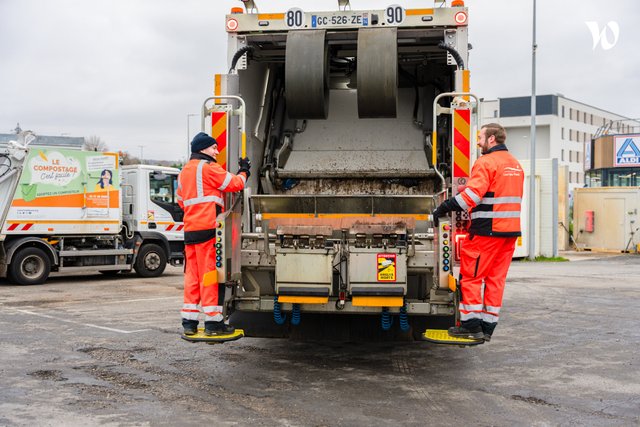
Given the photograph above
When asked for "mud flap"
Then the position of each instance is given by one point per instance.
(441, 336)
(213, 339)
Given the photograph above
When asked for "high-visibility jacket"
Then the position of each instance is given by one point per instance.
(200, 187)
(494, 194)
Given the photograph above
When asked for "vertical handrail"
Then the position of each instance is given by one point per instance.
(242, 109)
(434, 142)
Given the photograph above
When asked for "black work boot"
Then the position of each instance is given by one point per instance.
(218, 328)
(190, 326)
(488, 329)
(472, 332)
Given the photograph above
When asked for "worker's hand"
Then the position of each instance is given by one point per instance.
(245, 166)
(438, 213)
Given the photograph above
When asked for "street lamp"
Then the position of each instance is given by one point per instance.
(532, 148)
(189, 135)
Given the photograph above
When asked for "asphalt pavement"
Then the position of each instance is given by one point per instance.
(93, 350)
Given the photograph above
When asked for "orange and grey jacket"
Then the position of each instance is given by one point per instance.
(200, 187)
(493, 194)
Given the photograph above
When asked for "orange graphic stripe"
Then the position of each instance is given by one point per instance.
(67, 200)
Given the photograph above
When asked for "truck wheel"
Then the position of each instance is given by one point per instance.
(29, 266)
(151, 261)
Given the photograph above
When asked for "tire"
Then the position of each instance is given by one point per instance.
(151, 260)
(29, 266)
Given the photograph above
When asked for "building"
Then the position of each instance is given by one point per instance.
(613, 157)
(563, 129)
(48, 141)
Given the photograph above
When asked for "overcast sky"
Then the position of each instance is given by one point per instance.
(130, 71)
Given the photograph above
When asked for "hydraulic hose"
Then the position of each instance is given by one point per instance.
(453, 52)
(386, 319)
(295, 315)
(404, 319)
(277, 312)
(238, 55)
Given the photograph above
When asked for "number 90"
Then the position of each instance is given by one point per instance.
(394, 14)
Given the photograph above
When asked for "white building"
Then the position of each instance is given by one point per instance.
(563, 127)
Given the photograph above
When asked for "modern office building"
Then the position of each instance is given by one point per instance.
(564, 127)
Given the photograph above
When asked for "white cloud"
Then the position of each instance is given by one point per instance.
(131, 71)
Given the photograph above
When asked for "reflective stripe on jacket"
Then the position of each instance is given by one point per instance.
(494, 194)
(200, 187)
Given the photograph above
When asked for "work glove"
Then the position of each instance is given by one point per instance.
(245, 166)
(444, 208)
(438, 213)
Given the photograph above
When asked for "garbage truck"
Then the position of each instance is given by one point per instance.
(65, 210)
(358, 123)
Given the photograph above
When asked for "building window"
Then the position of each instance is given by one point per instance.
(590, 119)
(570, 134)
(577, 136)
(570, 113)
(495, 113)
(562, 155)
(563, 111)
(570, 156)
(570, 177)
(562, 133)
(578, 157)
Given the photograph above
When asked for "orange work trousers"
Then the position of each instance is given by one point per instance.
(484, 263)
(201, 290)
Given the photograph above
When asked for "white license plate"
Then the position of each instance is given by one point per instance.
(340, 20)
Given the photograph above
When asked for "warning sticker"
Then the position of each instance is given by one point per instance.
(386, 267)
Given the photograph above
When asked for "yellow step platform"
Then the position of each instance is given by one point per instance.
(441, 336)
(214, 339)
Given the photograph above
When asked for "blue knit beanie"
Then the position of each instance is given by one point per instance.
(202, 141)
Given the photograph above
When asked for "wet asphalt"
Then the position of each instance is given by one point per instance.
(94, 350)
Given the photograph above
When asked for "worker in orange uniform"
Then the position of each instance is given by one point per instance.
(200, 187)
(493, 195)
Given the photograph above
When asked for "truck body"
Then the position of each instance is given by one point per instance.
(357, 124)
(66, 210)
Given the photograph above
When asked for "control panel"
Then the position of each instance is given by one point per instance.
(444, 252)
(221, 260)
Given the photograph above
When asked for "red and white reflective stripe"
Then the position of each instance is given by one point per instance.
(469, 316)
(20, 226)
(174, 227)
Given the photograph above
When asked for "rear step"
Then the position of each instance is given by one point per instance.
(441, 336)
(213, 339)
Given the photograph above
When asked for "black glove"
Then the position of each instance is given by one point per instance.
(437, 214)
(444, 208)
(245, 166)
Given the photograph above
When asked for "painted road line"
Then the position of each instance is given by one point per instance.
(177, 298)
(90, 325)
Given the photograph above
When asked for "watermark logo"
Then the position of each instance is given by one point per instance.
(601, 37)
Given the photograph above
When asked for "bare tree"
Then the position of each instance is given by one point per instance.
(95, 143)
(128, 159)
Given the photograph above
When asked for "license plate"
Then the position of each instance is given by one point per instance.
(340, 20)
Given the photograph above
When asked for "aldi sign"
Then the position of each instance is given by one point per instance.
(627, 151)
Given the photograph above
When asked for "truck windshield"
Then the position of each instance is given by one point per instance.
(162, 191)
